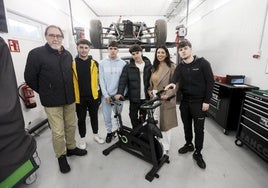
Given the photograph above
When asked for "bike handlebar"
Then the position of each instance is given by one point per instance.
(149, 105)
(116, 102)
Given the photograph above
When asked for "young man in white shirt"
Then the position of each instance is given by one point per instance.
(135, 77)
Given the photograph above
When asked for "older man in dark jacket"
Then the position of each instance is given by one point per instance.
(135, 78)
(48, 71)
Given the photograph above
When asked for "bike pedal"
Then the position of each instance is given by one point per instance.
(114, 134)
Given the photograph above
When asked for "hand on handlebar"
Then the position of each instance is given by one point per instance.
(168, 92)
(150, 92)
(118, 96)
(108, 100)
(170, 86)
(164, 97)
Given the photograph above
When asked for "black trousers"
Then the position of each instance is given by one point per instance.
(137, 115)
(92, 106)
(192, 111)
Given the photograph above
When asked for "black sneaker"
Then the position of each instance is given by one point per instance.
(63, 164)
(199, 160)
(186, 148)
(109, 137)
(76, 151)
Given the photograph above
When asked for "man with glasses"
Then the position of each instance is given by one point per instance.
(136, 78)
(48, 71)
(110, 70)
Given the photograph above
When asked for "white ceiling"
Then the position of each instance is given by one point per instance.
(129, 7)
(167, 8)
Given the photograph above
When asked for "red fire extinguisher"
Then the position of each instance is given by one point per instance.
(27, 95)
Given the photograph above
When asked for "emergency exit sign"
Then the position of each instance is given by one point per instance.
(13, 45)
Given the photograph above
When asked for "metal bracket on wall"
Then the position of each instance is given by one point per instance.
(38, 126)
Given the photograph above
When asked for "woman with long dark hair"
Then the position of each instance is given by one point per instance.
(162, 73)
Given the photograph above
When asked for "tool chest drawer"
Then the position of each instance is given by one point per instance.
(253, 125)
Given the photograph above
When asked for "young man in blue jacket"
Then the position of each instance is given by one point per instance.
(110, 70)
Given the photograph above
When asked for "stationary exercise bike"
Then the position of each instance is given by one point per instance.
(142, 141)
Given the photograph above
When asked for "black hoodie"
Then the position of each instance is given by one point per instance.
(195, 79)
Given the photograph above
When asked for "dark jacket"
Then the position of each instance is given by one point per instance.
(130, 79)
(195, 79)
(93, 72)
(49, 73)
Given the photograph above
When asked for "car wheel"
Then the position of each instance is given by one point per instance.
(96, 33)
(160, 32)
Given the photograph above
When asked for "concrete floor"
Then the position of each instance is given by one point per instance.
(227, 165)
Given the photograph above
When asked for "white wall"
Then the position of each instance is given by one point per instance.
(43, 12)
(229, 36)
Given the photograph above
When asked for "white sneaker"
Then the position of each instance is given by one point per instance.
(82, 143)
(165, 152)
(98, 139)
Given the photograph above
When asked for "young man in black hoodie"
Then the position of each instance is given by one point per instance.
(195, 78)
(136, 78)
(87, 91)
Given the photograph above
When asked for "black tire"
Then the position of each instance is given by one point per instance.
(238, 143)
(96, 33)
(106, 152)
(160, 32)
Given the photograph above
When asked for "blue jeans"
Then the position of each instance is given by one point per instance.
(107, 110)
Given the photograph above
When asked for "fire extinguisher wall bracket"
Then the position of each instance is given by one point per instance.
(27, 95)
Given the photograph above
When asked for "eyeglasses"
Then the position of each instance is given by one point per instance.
(55, 36)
